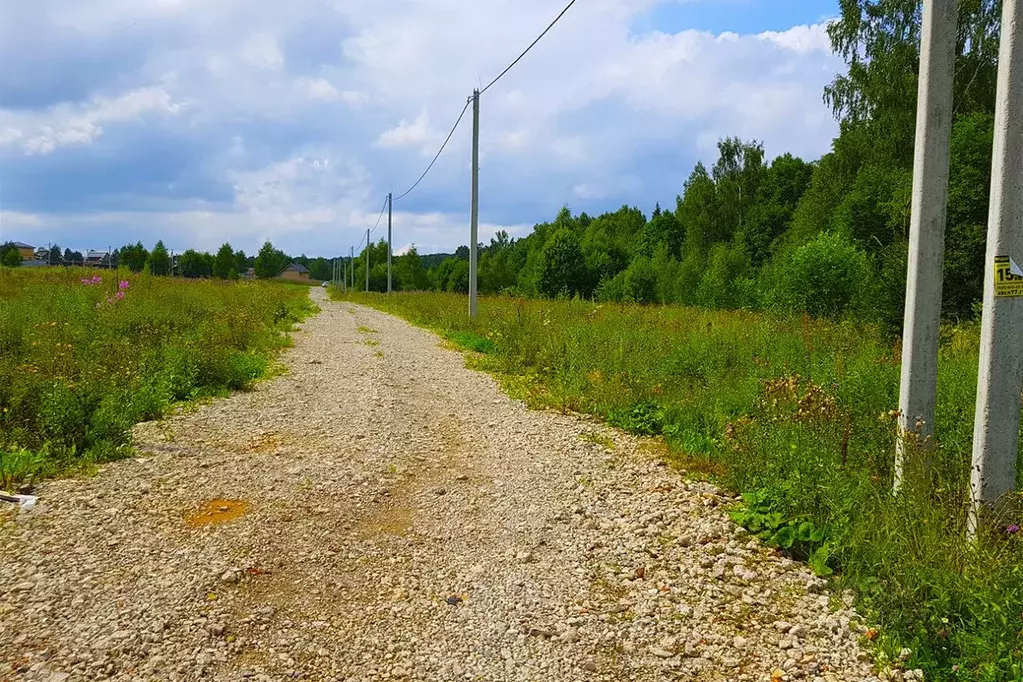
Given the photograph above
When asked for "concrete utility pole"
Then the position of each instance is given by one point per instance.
(367, 260)
(351, 266)
(475, 211)
(388, 242)
(927, 228)
(1000, 376)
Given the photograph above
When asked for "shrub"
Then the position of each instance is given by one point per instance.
(824, 277)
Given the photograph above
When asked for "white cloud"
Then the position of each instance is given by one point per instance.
(317, 88)
(80, 124)
(801, 39)
(405, 134)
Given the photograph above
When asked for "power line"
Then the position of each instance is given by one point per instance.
(462, 114)
(437, 155)
(549, 27)
(382, 209)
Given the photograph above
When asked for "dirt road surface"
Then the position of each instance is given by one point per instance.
(380, 512)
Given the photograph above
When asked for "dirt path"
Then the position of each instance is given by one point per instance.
(382, 513)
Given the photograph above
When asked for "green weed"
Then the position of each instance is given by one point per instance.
(471, 341)
(597, 439)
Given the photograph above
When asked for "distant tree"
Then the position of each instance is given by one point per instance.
(54, 256)
(224, 262)
(241, 262)
(159, 260)
(458, 278)
(195, 264)
(270, 262)
(319, 269)
(9, 255)
(134, 257)
(409, 272)
(562, 268)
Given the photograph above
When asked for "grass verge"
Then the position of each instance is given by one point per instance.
(85, 355)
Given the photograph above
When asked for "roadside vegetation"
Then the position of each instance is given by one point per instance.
(797, 415)
(86, 354)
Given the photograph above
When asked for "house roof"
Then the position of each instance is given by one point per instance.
(23, 245)
(297, 267)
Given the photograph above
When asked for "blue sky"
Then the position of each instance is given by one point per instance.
(246, 120)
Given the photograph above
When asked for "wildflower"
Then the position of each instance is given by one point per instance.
(123, 285)
(1013, 529)
(119, 295)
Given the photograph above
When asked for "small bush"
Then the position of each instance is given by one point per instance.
(824, 277)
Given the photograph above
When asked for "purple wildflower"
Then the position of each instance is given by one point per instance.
(1013, 529)
(123, 285)
(119, 295)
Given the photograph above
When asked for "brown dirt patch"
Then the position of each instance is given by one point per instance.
(217, 511)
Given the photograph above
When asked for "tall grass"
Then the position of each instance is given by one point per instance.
(798, 415)
(81, 363)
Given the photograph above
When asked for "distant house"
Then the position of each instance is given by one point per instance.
(295, 271)
(27, 251)
(96, 258)
(249, 274)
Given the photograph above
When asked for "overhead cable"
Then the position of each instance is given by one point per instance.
(549, 27)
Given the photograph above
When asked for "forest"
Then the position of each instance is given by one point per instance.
(827, 237)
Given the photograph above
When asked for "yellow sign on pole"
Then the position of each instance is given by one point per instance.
(1008, 277)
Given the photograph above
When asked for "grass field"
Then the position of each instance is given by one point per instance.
(798, 415)
(85, 355)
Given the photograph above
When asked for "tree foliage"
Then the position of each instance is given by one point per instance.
(133, 256)
(270, 261)
(159, 260)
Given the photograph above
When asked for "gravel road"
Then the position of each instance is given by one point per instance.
(380, 512)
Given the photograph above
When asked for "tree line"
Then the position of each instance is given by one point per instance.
(226, 263)
(828, 237)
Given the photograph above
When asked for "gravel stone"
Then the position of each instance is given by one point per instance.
(331, 553)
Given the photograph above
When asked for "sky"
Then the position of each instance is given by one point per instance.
(204, 121)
